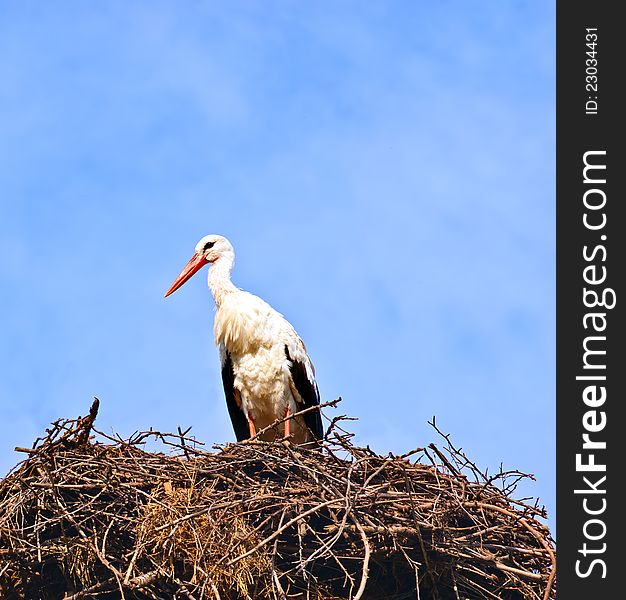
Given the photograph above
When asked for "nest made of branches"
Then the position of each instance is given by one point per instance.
(94, 516)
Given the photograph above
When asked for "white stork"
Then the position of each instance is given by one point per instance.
(266, 371)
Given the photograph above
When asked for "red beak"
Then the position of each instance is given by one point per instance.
(196, 262)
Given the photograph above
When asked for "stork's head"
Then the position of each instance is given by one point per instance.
(209, 250)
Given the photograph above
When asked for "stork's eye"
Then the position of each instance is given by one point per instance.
(209, 245)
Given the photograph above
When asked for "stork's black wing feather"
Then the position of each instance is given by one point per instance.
(237, 417)
(310, 396)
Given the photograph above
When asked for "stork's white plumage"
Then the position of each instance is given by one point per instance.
(266, 371)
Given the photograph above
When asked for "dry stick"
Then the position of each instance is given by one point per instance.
(215, 591)
(131, 564)
(445, 460)
(520, 572)
(86, 424)
(106, 586)
(182, 440)
(366, 560)
(479, 532)
(274, 575)
(415, 570)
(382, 467)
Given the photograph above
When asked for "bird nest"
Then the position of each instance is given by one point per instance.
(88, 515)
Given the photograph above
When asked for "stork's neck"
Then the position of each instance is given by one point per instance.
(219, 278)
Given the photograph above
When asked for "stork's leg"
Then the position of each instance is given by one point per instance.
(251, 427)
(288, 422)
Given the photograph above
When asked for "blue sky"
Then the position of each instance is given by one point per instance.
(384, 170)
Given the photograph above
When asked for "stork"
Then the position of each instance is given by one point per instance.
(266, 371)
